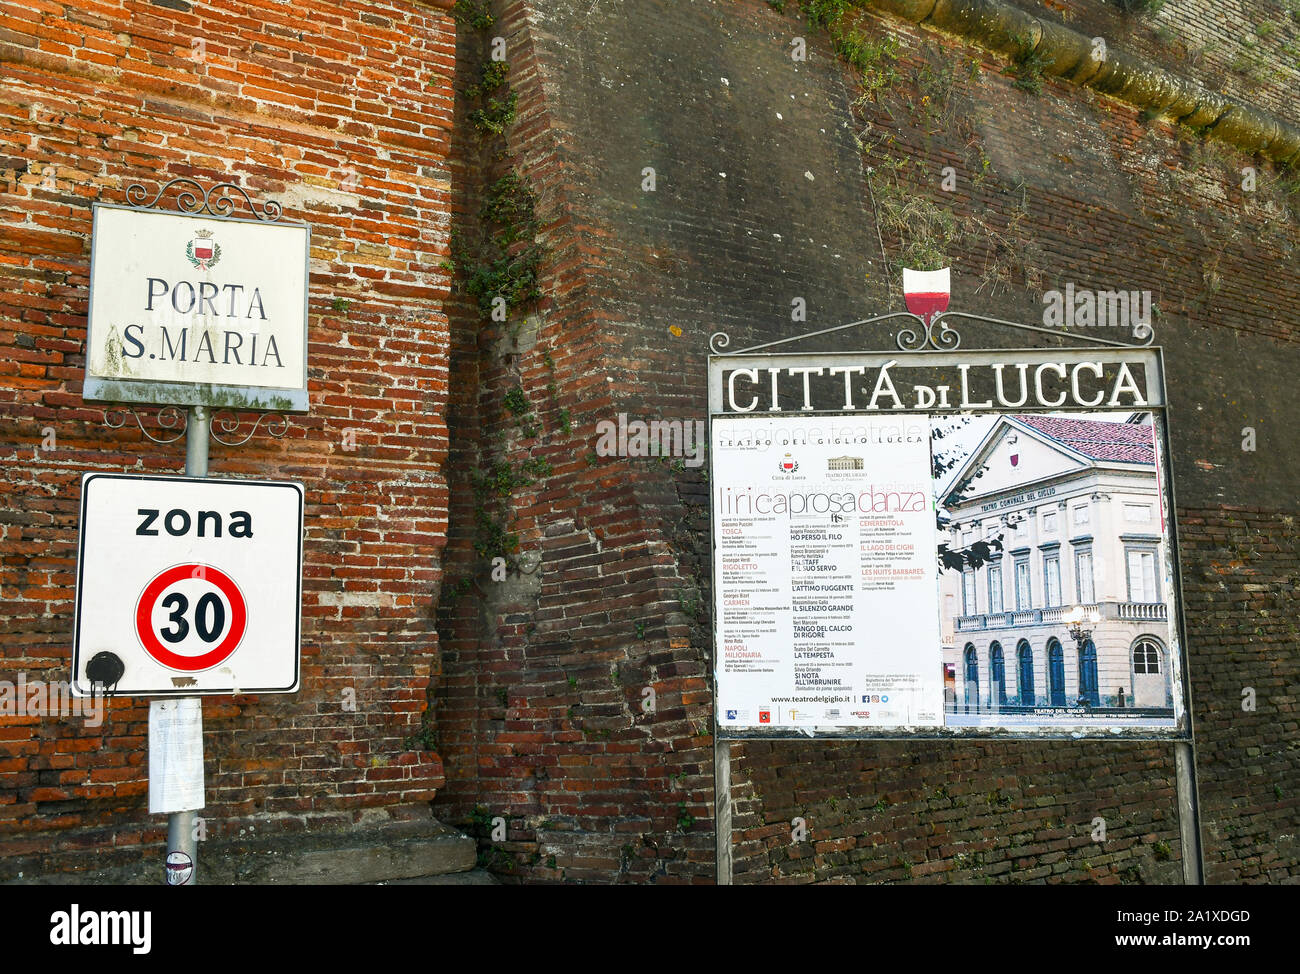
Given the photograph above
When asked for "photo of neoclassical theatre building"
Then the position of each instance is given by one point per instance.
(1072, 610)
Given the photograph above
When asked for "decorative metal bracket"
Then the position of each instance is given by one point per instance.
(169, 418)
(921, 335)
(173, 421)
(277, 426)
(215, 201)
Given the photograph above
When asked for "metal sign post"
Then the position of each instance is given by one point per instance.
(182, 837)
(1030, 590)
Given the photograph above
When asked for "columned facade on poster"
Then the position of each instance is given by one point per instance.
(1075, 504)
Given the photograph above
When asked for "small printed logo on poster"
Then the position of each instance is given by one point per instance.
(765, 716)
(735, 714)
(875, 698)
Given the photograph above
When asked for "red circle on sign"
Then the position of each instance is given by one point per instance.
(144, 618)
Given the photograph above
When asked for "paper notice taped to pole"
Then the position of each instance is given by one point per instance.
(175, 755)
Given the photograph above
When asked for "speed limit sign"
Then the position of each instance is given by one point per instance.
(194, 585)
(220, 616)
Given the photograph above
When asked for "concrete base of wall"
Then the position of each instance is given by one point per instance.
(424, 852)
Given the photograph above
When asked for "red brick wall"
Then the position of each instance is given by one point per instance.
(342, 111)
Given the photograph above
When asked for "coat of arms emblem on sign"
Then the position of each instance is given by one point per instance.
(203, 251)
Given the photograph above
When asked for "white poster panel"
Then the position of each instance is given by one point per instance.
(175, 756)
(825, 576)
(193, 585)
(189, 308)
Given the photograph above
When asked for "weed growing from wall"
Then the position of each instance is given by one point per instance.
(1027, 65)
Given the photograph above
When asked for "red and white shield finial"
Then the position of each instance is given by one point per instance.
(926, 292)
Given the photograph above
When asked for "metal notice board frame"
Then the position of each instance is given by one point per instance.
(935, 343)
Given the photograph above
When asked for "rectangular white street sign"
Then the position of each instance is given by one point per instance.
(194, 585)
(189, 309)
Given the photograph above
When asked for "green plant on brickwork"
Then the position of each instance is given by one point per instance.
(905, 865)
(684, 818)
(874, 58)
(690, 601)
(519, 407)
(573, 682)
(1277, 792)
(427, 738)
(516, 401)
(1162, 851)
(480, 822)
(1250, 61)
(880, 805)
(503, 270)
(1027, 65)
(550, 862)
(500, 480)
(491, 78)
(565, 422)
(340, 304)
(640, 629)
(535, 468)
(451, 594)
(497, 115)
(473, 13)
(1141, 8)
(510, 204)
(503, 697)
(926, 230)
(495, 860)
(825, 13)
(625, 856)
(491, 537)
(935, 84)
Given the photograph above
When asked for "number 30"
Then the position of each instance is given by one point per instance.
(207, 604)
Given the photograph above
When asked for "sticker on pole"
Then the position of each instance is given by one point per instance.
(179, 870)
(193, 584)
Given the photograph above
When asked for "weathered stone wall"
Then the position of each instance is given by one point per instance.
(342, 112)
(762, 196)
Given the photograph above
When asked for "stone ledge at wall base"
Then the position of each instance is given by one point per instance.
(425, 852)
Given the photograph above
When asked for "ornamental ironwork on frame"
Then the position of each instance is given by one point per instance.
(933, 334)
